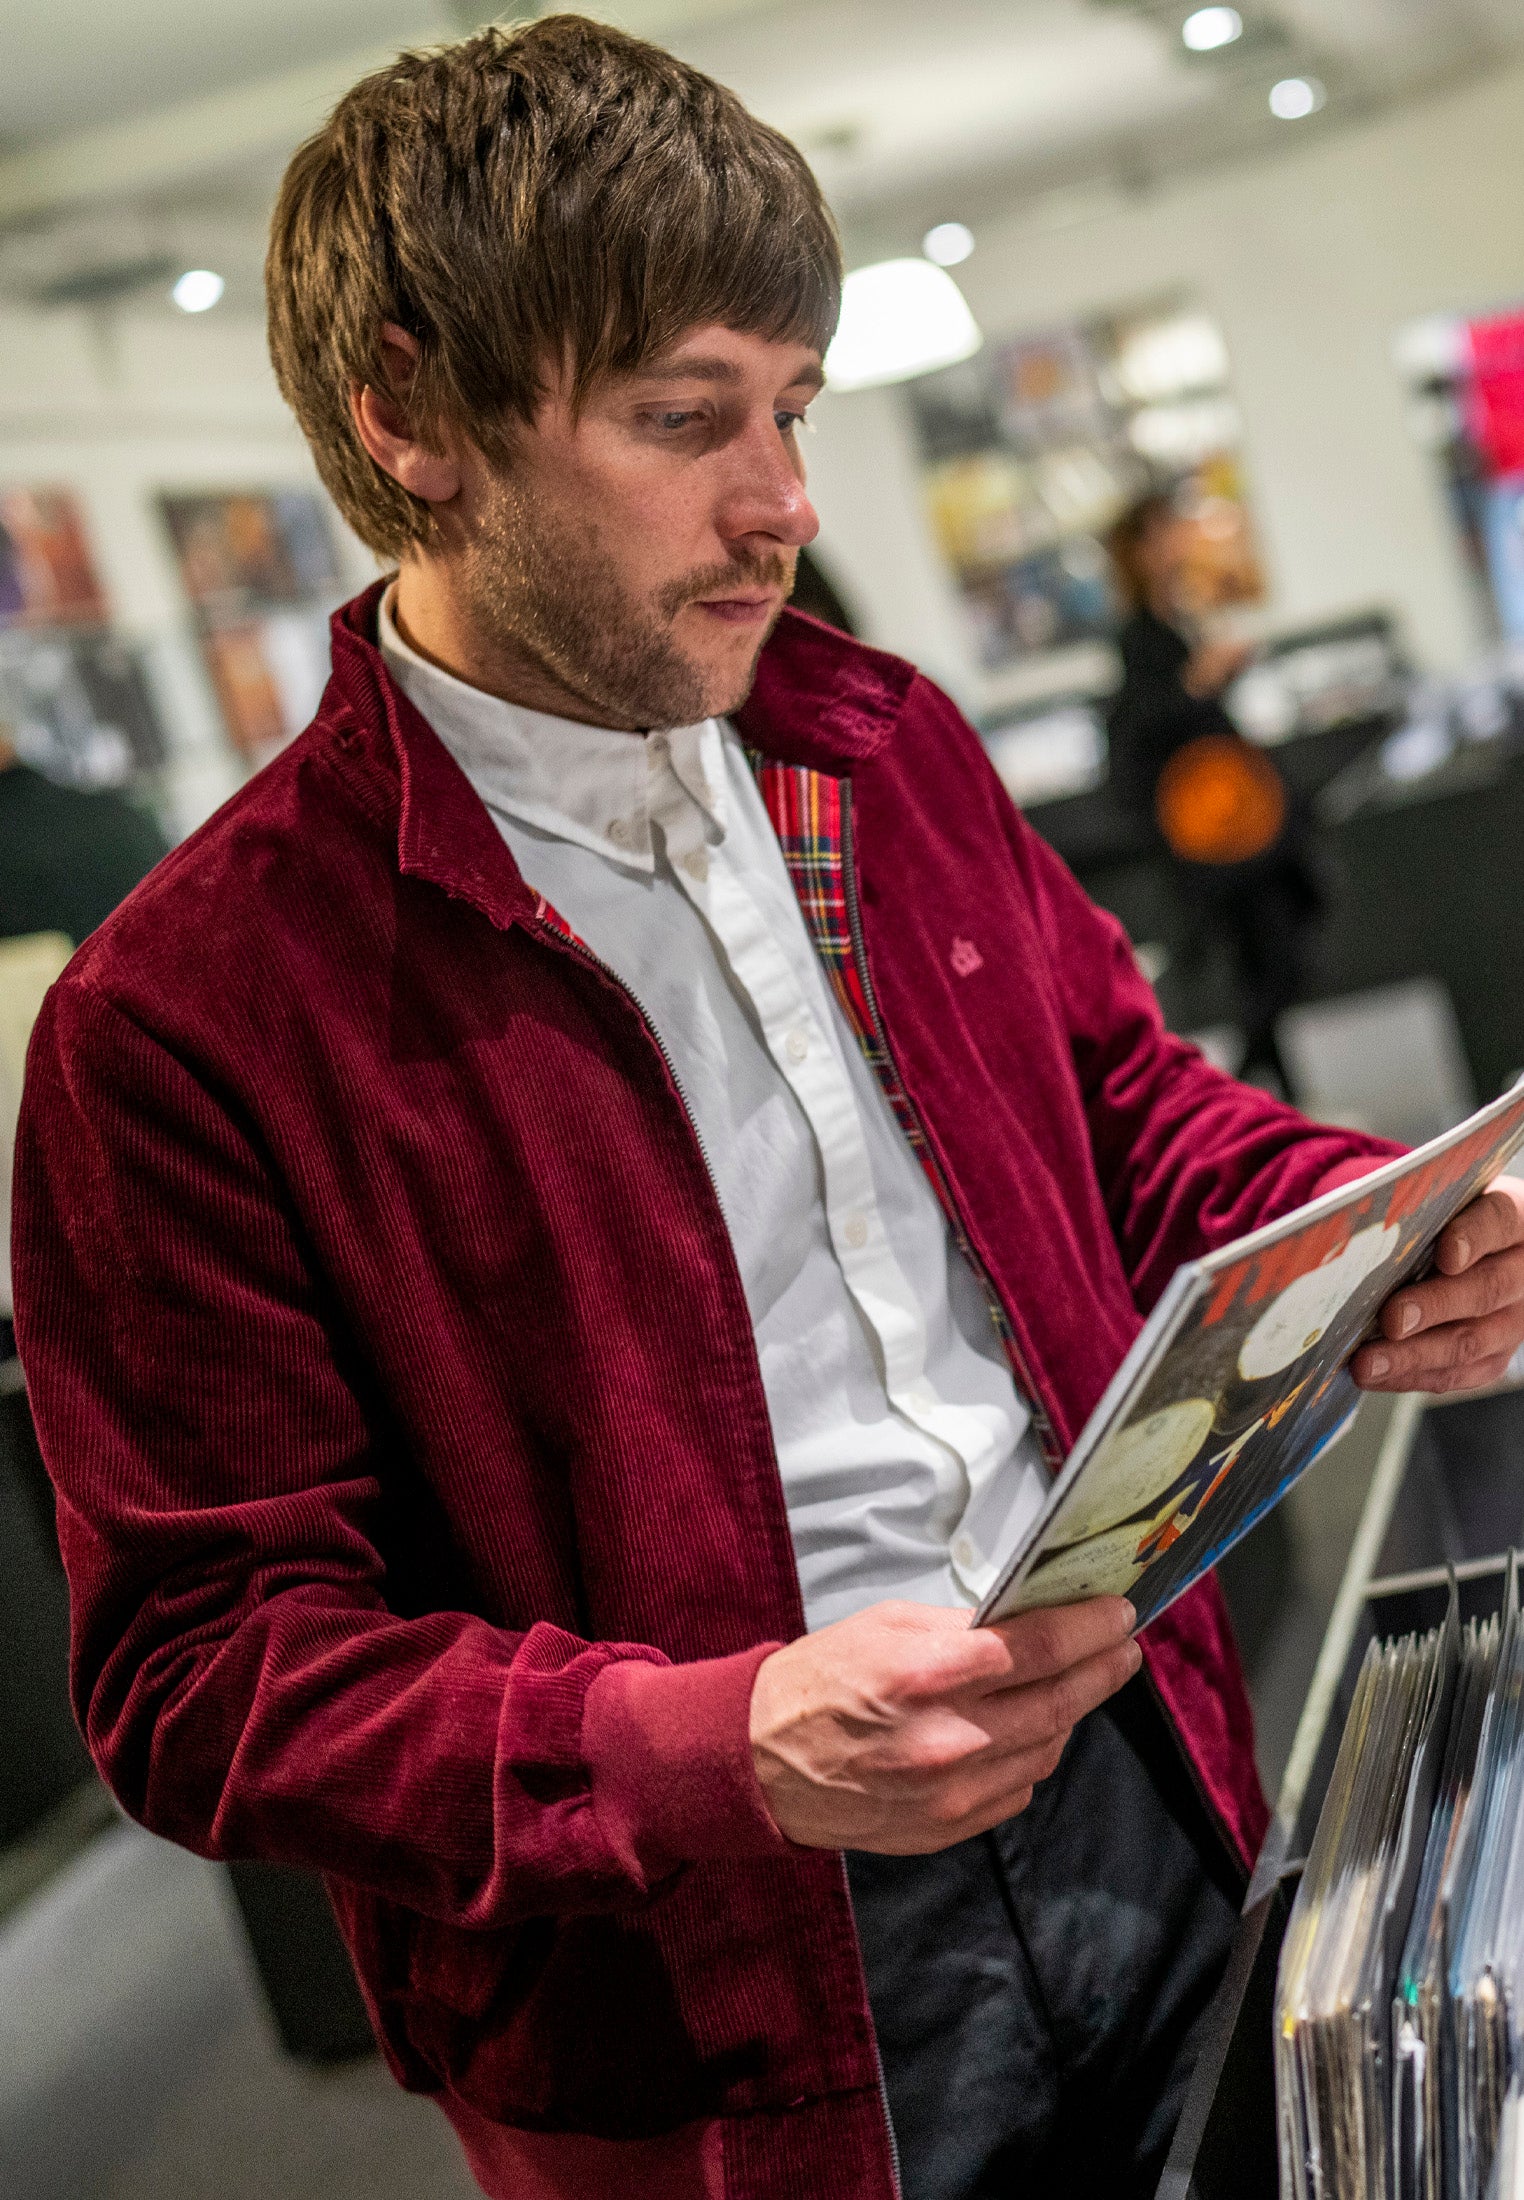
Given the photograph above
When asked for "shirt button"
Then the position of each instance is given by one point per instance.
(964, 1553)
(619, 833)
(856, 1231)
(797, 1045)
(696, 864)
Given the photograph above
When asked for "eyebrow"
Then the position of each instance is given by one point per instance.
(718, 370)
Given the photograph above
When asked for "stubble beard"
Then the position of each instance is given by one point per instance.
(546, 595)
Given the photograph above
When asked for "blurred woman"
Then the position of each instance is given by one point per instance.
(1236, 845)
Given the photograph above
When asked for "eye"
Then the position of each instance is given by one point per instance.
(673, 423)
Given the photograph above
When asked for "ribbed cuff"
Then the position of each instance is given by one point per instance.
(668, 1752)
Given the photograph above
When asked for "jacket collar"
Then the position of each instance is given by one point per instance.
(819, 699)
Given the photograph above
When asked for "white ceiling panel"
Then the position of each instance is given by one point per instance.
(882, 95)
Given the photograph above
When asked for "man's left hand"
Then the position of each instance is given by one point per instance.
(1458, 1329)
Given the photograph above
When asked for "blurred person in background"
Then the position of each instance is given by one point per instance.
(67, 858)
(563, 1234)
(67, 855)
(1238, 845)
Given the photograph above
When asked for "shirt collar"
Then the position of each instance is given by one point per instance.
(592, 785)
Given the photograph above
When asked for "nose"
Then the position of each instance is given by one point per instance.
(764, 503)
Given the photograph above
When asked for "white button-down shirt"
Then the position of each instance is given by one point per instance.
(906, 1452)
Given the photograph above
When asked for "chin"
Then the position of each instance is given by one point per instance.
(726, 687)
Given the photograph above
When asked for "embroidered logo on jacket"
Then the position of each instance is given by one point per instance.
(965, 958)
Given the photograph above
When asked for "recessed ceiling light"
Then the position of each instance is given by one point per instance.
(1210, 28)
(197, 290)
(948, 243)
(899, 318)
(1296, 96)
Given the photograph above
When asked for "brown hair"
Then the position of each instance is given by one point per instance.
(1125, 539)
(552, 193)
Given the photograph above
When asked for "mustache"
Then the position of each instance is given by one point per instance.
(770, 571)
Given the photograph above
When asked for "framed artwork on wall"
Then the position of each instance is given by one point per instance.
(74, 702)
(261, 571)
(1034, 447)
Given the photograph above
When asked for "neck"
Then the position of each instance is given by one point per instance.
(431, 619)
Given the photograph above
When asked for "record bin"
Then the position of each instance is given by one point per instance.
(1225, 2144)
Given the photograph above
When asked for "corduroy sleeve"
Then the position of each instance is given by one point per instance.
(240, 1680)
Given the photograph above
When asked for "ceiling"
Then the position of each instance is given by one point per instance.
(137, 133)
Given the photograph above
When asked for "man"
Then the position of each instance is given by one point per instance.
(562, 1232)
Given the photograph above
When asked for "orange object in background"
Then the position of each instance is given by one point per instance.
(1220, 801)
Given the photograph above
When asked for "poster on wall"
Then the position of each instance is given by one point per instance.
(47, 574)
(74, 703)
(1466, 401)
(1032, 449)
(261, 570)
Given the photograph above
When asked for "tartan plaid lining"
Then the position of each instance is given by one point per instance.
(804, 807)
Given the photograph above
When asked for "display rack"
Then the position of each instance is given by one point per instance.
(1225, 2143)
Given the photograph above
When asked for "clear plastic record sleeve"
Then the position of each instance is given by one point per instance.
(1239, 1379)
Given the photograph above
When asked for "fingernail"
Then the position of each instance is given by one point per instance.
(1408, 1318)
(1129, 1615)
(1379, 1363)
(1136, 1658)
(1462, 1250)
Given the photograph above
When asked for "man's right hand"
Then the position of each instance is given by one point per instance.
(905, 1729)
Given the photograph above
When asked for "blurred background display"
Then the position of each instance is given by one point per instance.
(72, 694)
(47, 575)
(262, 576)
(1467, 383)
(1032, 449)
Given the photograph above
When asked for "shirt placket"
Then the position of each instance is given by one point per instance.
(807, 1058)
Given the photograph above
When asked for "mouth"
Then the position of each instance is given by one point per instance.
(751, 607)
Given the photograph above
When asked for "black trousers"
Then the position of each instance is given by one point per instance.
(1038, 1992)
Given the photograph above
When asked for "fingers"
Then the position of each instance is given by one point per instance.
(1480, 1377)
(1029, 1731)
(939, 1654)
(1457, 1356)
(1458, 1329)
(1488, 1225)
(956, 1756)
(1044, 1711)
(919, 1838)
(1038, 1645)
(1484, 1287)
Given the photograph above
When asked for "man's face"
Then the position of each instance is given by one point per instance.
(637, 553)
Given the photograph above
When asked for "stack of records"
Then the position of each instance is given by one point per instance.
(1399, 2021)
(1421, 2013)
(1344, 1942)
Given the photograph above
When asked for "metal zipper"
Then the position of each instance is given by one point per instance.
(878, 2061)
(1005, 1328)
(883, 2099)
(584, 954)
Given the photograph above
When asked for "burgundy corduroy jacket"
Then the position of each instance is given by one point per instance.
(416, 1484)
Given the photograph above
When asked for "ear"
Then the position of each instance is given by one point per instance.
(382, 424)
